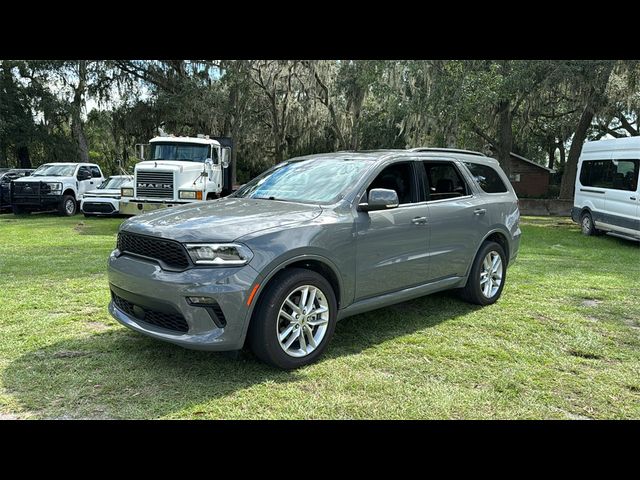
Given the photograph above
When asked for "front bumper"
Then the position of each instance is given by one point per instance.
(132, 206)
(229, 287)
(41, 201)
(99, 205)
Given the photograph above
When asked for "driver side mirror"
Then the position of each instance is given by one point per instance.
(226, 157)
(380, 199)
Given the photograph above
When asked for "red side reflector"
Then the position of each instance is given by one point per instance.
(253, 294)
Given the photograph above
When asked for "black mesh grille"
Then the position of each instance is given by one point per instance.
(26, 188)
(94, 207)
(165, 320)
(171, 253)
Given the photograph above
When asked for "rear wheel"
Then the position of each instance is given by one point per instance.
(488, 274)
(294, 320)
(68, 206)
(587, 226)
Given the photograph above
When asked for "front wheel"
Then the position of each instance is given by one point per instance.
(488, 274)
(68, 206)
(294, 320)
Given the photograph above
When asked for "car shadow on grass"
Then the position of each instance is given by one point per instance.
(121, 374)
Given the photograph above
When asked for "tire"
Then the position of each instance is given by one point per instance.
(19, 210)
(587, 226)
(474, 290)
(268, 321)
(65, 207)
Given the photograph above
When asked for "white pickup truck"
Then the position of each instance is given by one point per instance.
(55, 186)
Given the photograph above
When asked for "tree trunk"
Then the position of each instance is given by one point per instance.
(562, 153)
(505, 136)
(76, 112)
(567, 185)
(552, 155)
(23, 157)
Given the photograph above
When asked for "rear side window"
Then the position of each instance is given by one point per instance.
(444, 181)
(613, 174)
(486, 178)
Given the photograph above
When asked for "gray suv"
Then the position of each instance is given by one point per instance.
(311, 241)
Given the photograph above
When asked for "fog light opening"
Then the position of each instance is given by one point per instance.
(201, 301)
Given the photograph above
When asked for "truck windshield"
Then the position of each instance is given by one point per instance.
(53, 170)
(191, 152)
(113, 183)
(319, 180)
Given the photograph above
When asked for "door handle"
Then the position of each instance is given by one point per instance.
(632, 198)
(419, 220)
(480, 211)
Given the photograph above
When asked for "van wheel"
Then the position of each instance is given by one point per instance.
(68, 206)
(294, 320)
(488, 274)
(587, 226)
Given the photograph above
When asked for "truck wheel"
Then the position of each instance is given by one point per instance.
(294, 319)
(68, 206)
(19, 210)
(587, 226)
(488, 274)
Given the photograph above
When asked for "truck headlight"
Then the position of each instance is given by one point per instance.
(190, 195)
(126, 192)
(219, 253)
(54, 188)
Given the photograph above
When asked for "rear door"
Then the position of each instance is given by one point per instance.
(458, 219)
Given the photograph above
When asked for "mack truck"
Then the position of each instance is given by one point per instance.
(179, 170)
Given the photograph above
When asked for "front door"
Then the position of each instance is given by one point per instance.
(86, 185)
(392, 245)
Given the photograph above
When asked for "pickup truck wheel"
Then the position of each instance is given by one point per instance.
(294, 320)
(19, 210)
(68, 206)
(488, 274)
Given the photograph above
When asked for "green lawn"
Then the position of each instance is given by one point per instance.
(563, 342)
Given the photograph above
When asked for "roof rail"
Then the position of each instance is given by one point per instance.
(446, 150)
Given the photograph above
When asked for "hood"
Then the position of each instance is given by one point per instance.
(41, 179)
(169, 166)
(221, 220)
(104, 192)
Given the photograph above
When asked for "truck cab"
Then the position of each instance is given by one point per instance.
(55, 186)
(179, 170)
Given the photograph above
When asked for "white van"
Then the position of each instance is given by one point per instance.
(607, 197)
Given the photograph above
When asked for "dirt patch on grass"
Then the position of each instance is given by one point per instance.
(79, 227)
(97, 326)
(591, 302)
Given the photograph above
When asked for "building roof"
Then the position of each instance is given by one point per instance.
(550, 170)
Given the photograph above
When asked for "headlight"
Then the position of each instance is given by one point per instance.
(190, 195)
(219, 253)
(55, 188)
(126, 192)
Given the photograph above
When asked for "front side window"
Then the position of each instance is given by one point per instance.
(613, 174)
(191, 152)
(53, 170)
(398, 177)
(95, 172)
(487, 178)
(315, 180)
(444, 181)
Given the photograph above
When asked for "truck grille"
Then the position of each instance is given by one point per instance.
(154, 184)
(170, 253)
(26, 188)
(169, 321)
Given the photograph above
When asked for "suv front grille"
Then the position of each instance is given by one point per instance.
(165, 320)
(170, 253)
(154, 184)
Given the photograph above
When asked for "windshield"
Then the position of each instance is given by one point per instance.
(318, 180)
(191, 152)
(113, 183)
(52, 170)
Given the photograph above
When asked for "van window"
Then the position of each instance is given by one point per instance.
(486, 177)
(613, 174)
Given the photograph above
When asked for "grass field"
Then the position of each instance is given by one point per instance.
(563, 342)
